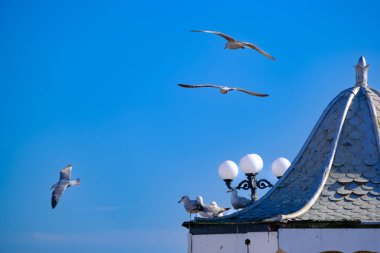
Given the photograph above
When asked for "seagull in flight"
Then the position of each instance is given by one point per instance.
(64, 182)
(223, 89)
(235, 44)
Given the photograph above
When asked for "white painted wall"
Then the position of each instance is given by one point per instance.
(317, 240)
(289, 240)
(261, 242)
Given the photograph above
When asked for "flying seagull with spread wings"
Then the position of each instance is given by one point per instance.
(223, 89)
(235, 44)
(64, 182)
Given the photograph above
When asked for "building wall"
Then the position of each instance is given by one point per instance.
(289, 241)
(319, 240)
(261, 242)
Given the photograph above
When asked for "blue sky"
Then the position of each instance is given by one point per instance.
(93, 83)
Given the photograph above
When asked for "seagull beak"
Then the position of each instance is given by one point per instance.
(229, 191)
(180, 201)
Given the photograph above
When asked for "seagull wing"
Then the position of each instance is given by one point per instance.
(199, 86)
(251, 92)
(206, 214)
(213, 209)
(192, 206)
(244, 201)
(250, 45)
(66, 172)
(228, 38)
(206, 210)
(217, 209)
(57, 193)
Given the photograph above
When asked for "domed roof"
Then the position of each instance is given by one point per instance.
(336, 175)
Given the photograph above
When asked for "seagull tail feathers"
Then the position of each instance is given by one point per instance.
(75, 182)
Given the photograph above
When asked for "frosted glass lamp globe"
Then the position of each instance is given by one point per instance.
(251, 164)
(279, 166)
(228, 170)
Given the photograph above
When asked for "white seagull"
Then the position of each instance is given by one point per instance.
(238, 202)
(63, 183)
(235, 44)
(212, 210)
(222, 89)
(191, 206)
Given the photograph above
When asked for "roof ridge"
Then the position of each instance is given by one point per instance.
(374, 115)
(329, 162)
(348, 93)
(306, 144)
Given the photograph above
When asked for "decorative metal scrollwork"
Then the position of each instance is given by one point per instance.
(251, 184)
(263, 183)
(243, 185)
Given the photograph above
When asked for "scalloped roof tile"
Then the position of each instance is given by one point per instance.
(336, 175)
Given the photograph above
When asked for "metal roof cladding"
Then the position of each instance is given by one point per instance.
(336, 175)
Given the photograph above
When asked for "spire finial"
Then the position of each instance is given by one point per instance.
(361, 72)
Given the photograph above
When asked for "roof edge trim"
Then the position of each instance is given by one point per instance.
(330, 160)
(373, 116)
(304, 146)
(288, 171)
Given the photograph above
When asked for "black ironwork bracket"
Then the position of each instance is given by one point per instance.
(263, 183)
(228, 183)
(250, 183)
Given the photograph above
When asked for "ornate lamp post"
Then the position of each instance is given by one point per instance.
(251, 165)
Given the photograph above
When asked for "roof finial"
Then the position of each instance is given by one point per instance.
(361, 72)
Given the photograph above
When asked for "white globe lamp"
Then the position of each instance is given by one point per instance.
(228, 170)
(251, 164)
(279, 166)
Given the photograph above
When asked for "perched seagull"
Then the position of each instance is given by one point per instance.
(235, 44)
(238, 202)
(191, 206)
(223, 89)
(212, 210)
(63, 183)
(213, 203)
